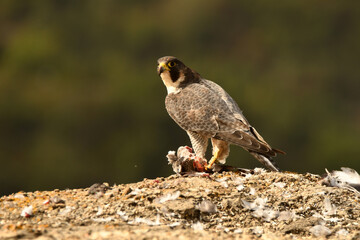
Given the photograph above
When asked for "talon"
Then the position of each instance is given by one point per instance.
(213, 160)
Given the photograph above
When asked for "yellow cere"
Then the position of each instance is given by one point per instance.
(162, 64)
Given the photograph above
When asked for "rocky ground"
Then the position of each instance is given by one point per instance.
(220, 205)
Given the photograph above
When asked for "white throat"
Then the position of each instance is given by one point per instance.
(171, 87)
(172, 90)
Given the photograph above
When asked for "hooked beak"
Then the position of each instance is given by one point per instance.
(162, 67)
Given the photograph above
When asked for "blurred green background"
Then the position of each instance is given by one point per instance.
(80, 100)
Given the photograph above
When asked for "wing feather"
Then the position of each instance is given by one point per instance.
(207, 109)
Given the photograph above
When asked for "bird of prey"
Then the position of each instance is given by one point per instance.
(205, 110)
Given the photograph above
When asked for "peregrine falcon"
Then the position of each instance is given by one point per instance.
(205, 110)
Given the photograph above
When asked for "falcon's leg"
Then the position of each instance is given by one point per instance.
(199, 143)
(221, 150)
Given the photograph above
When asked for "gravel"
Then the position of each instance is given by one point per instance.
(220, 205)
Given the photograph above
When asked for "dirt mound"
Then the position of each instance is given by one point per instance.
(267, 204)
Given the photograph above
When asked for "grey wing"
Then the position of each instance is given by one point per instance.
(244, 135)
(231, 104)
(238, 132)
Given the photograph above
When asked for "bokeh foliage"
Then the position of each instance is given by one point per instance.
(80, 101)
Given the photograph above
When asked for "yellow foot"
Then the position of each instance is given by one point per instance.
(213, 159)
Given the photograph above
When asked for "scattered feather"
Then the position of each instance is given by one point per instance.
(238, 231)
(171, 153)
(259, 170)
(269, 214)
(108, 219)
(100, 211)
(347, 178)
(165, 210)
(258, 203)
(286, 194)
(347, 175)
(198, 226)
(329, 209)
(27, 211)
(174, 224)
(66, 210)
(260, 211)
(279, 184)
(320, 231)
(123, 215)
(207, 206)
(240, 187)
(167, 197)
(257, 230)
(136, 191)
(247, 175)
(139, 220)
(286, 215)
(331, 219)
(19, 196)
(317, 215)
(266, 214)
(237, 180)
(342, 232)
(248, 205)
(57, 200)
(223, 182)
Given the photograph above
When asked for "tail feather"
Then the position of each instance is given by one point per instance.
(248, 138)
(278, 151)
(265, 161)
(255, 145)
(248, 142)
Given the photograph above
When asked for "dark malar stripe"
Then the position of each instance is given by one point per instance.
(174, 74)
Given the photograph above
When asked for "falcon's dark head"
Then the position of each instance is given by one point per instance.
(175, 74)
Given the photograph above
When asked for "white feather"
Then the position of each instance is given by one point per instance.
(347, 175)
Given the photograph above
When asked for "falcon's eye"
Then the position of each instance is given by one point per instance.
(172, 64)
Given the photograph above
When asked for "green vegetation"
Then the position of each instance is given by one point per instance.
(80, 100)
